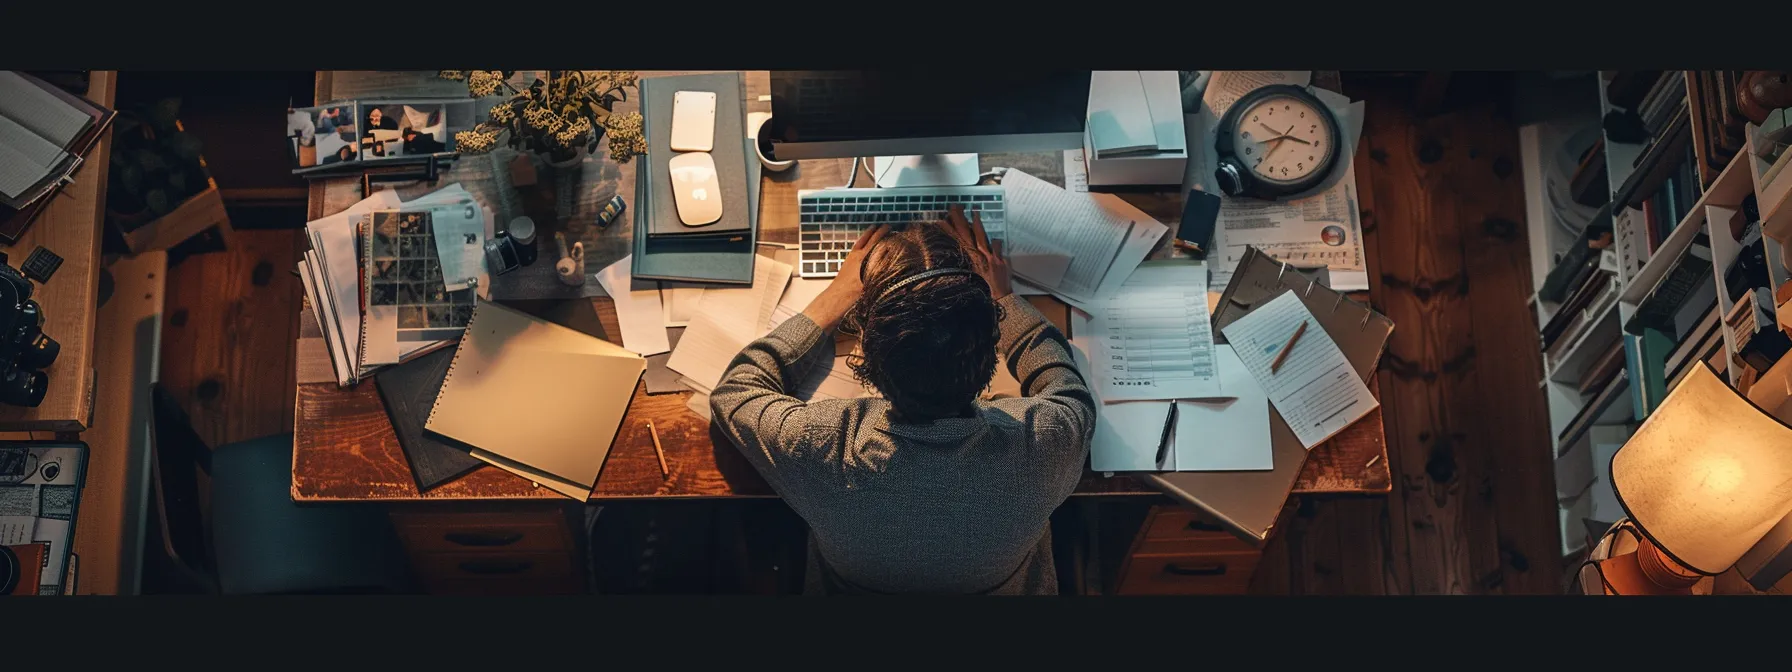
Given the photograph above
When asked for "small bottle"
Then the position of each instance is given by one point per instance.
(522, 235)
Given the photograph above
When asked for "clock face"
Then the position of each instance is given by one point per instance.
(1283, 139)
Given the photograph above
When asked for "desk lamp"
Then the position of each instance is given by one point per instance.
(1707, 480)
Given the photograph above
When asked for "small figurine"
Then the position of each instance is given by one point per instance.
(571, 266)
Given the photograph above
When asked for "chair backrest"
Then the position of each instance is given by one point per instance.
(177, 452)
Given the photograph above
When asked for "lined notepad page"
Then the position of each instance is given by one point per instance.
(1044, 219)
(1316, 389)
(42, 112)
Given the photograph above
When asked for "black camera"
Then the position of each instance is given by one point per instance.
(24, 349)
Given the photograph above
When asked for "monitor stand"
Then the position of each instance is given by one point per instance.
(925, 170)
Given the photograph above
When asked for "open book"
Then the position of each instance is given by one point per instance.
(43, 133)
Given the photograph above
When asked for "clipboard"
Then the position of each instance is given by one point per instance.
(1361, 332)
(1249, 502)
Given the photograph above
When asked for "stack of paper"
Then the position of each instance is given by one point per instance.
(1154, 339)
(1315, 388)
(1134, 112)
(332, 273)
(1080, 247)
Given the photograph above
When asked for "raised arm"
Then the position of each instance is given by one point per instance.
(752, 404)
(1036, 352)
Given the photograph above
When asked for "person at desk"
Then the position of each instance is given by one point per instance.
(929, 489)
(378, 121)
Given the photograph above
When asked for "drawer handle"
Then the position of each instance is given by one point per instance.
(496, 566)
(483, 539)
(1195, 570)
(1197, 525)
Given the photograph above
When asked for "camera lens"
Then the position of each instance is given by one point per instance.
(42, 353)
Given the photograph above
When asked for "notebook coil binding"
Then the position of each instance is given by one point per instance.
(448, 378)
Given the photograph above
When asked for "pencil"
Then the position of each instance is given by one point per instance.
(657, 450)
(1287, 348)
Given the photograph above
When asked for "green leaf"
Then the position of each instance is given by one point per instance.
(131, 177)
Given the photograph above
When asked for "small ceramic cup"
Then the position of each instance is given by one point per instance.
(756, 121)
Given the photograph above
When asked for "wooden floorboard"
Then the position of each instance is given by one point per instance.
(232, 320)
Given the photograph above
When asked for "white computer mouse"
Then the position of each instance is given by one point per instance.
(695, 189)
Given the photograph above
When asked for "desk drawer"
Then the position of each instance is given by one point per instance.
(1175, 522)
(1227, 573)
(508, 567)
(499, 537)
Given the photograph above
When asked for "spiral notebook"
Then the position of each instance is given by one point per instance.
(1248, 502)
(536, 399)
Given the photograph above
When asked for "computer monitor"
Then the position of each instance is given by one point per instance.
(925, 121)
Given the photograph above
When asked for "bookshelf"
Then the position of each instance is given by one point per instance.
(1590, 417)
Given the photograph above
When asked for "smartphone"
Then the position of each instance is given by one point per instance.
(693, 121)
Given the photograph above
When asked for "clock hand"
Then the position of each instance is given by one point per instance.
(1290, 137)
(1272, 128)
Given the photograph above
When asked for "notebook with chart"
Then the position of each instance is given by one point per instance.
(1248, 502)
(536, 399)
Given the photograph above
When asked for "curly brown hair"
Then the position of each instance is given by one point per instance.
(929, 347)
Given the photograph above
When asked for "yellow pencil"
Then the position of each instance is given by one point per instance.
(657, 450)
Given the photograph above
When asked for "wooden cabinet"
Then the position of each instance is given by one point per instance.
(1178, 552)
(495, 549)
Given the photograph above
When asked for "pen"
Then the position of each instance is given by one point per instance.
(1163, 443)
(1289, 347)
(657, 450)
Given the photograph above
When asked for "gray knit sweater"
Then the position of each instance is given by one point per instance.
(958, 505)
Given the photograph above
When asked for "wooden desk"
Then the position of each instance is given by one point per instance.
(70, 227)
(345, 449)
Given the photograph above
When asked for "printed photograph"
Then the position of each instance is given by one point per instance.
(322, 135)
(396, 129)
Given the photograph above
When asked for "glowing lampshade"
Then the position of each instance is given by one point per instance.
(1708, 474)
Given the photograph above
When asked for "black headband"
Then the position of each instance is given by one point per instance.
(923, 275)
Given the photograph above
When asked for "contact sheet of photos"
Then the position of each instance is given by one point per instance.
(404, 280)
(337, 135)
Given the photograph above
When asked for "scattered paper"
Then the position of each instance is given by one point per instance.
(1154, 337)
(679, 301)
(1023, 288)
(637, 310)
(1225, 87)
(797, 297)
(748, 309)
(1316, 390)
(1076, 173)
(707, 347)
(1127, 436)
(1044, 219)
(1225, 434)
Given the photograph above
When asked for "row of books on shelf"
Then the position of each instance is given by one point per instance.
(1718, 125)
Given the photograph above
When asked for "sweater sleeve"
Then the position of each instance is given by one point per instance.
(1039, 357)
(753, 403)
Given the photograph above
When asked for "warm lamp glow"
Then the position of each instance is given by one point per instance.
(1707, 475)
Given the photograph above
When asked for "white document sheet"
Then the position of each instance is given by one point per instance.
(1225, 87)
(1155, 338)
(459, 230)
(706, 348)
(797, 297)
(637, 310)
(39, 151)
(679, 301)
(1316, 389)
(1146, 233)
(1225, 434)
(748, 308)
(1044, 219)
